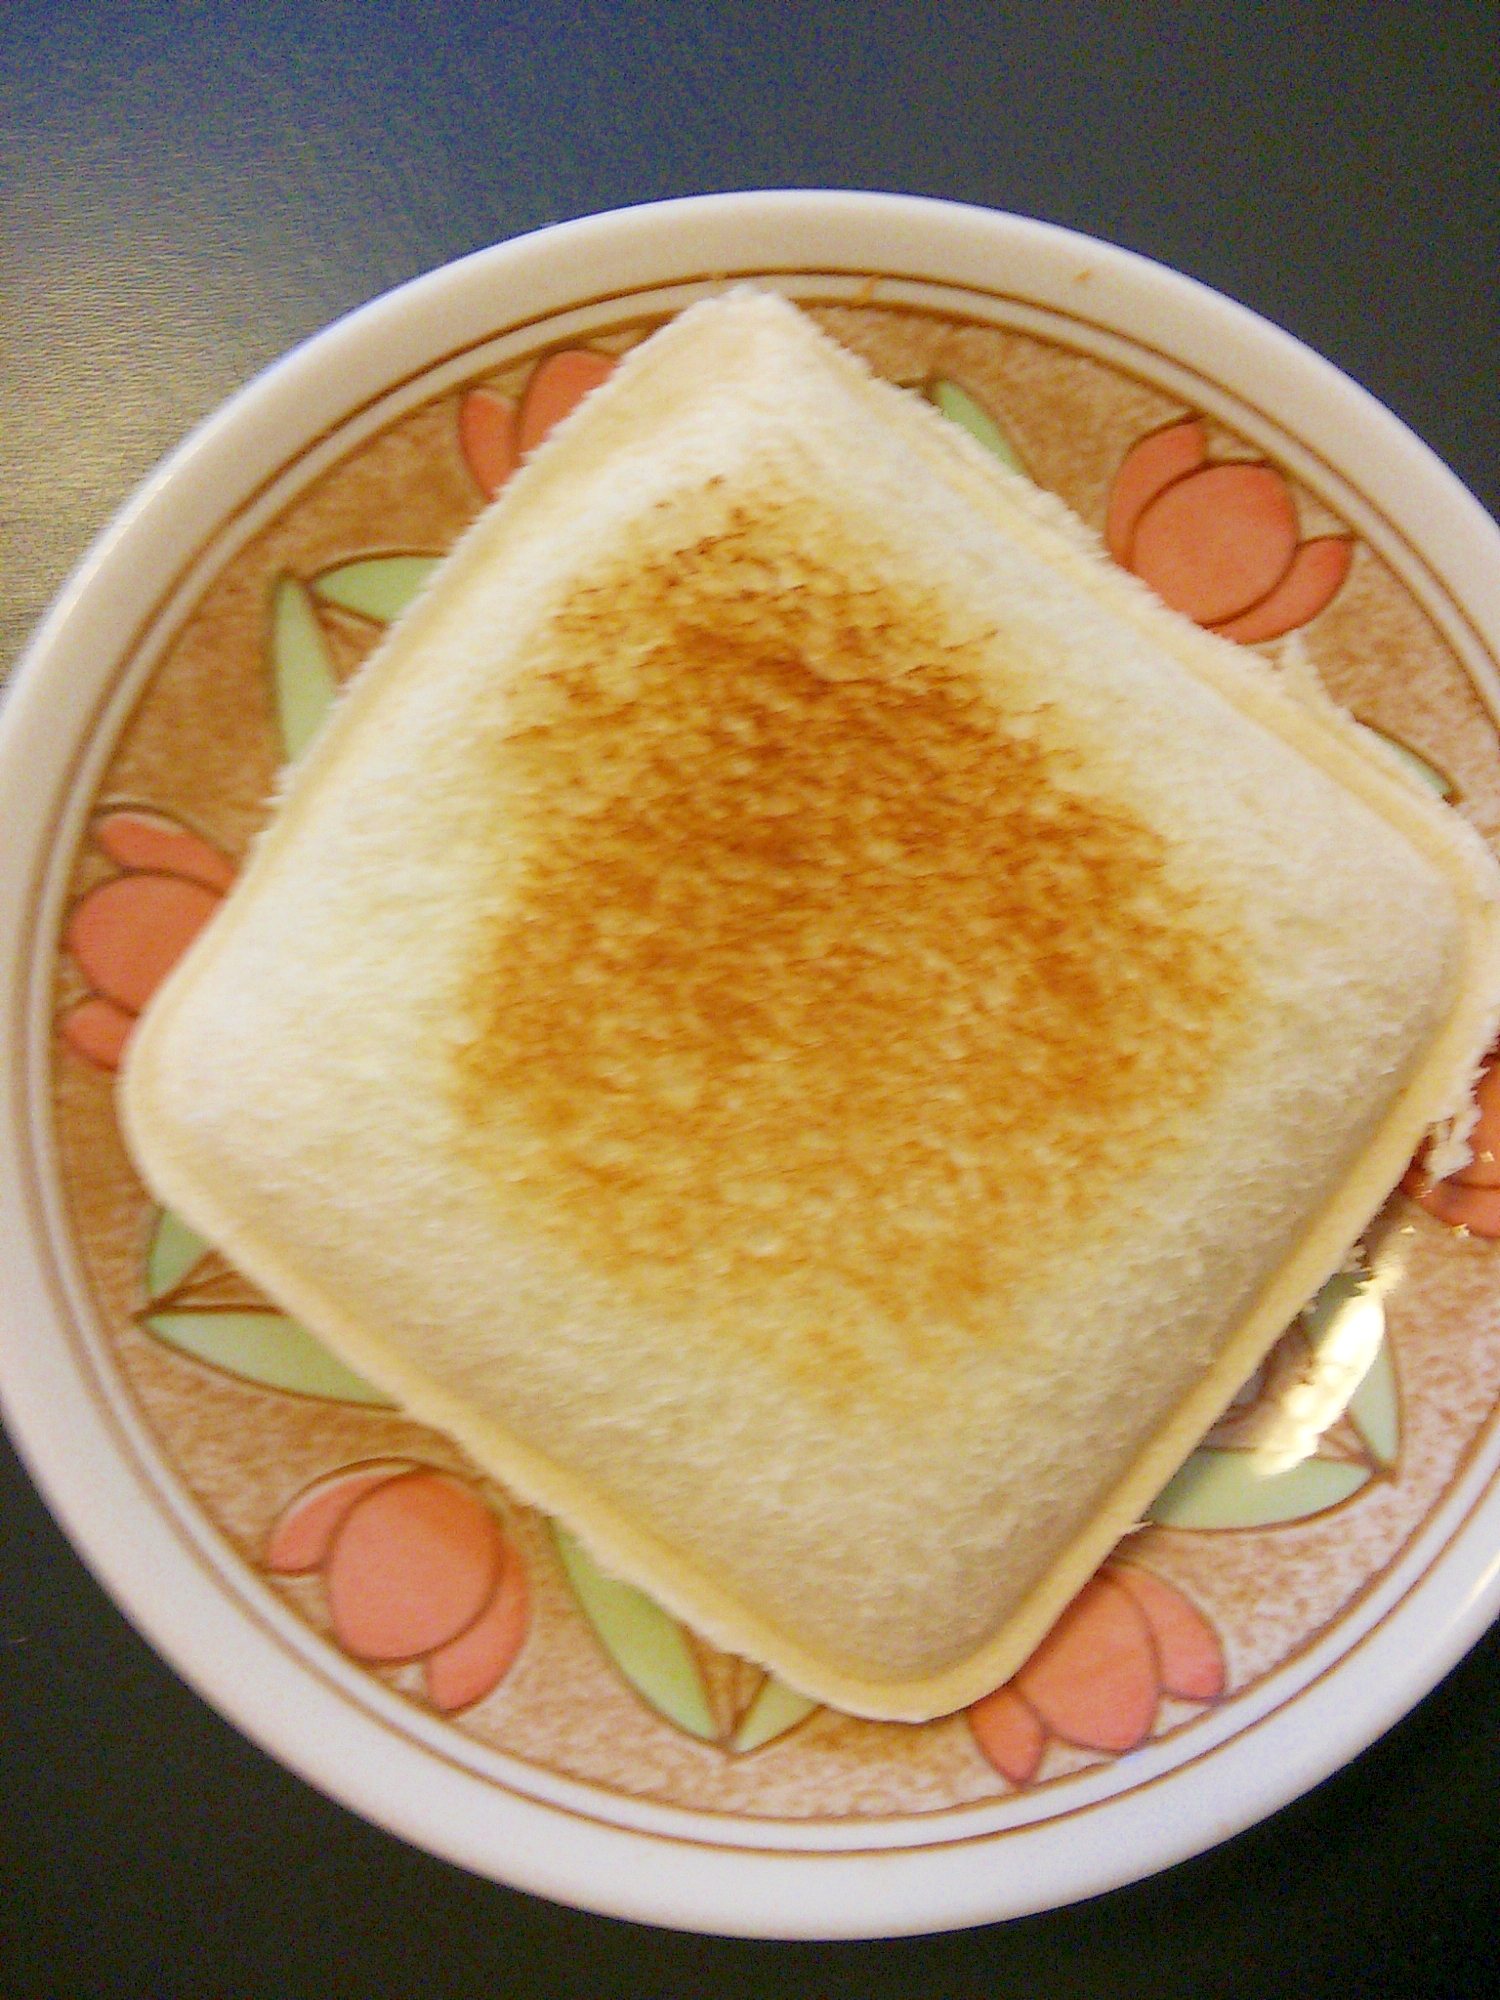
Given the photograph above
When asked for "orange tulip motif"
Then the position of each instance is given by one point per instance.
(1098, 1679)
(495, 434)
(127, 933)
(1219, 540)
(415, 1567)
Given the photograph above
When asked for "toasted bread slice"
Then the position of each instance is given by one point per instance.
(810, 1023)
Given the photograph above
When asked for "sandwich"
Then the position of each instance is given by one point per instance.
(812, 1024)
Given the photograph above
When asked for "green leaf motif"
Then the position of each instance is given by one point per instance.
(775, 1709)
(377, 587)
(264, 1347)
(960, 408)
(301, 667)
(1375, 1409)
(647, 1645)
(1223, 1489)
(175, 1249)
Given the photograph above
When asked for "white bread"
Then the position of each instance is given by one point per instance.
(811, 1023)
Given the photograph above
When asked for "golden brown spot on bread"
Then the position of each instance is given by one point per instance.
(826, 975)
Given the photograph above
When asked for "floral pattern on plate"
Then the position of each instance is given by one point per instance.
(129, 931)
(414, 1567)
(1098, 1679)
(1219, 540)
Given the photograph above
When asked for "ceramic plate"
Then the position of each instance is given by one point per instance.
(339, 1580)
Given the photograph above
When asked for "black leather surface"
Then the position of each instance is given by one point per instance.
(189, 189)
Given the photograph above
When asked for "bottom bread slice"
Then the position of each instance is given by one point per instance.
(809, 1023)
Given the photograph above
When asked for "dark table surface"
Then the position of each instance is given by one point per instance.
(189, 189)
